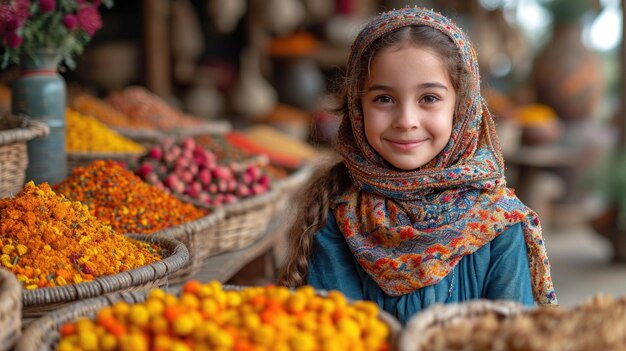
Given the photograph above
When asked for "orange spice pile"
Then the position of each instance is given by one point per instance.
(121, 199)
(47, 240)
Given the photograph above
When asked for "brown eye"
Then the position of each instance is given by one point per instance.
(430, 99)
(383, 99)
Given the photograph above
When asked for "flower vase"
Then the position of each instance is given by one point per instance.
(39, 92)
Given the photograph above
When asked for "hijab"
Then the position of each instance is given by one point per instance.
(408, 229)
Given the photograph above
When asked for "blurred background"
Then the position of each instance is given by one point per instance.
(552, 73)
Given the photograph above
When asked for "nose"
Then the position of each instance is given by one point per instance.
(407, 118)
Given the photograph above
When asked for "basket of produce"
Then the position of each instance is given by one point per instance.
(120, 198)
(597, 324)
(451, 326)
(214, 317)
(10, 310)
(146, 107)
(60, 253)
(243, 189)
(15, 132)
(87, 140)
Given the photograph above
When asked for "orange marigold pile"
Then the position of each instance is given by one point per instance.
(121, 199)
(208, 317)
(47, 240)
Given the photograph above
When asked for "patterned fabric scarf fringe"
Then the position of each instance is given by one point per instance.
(408, 229)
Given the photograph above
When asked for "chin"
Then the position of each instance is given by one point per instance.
(405, 166)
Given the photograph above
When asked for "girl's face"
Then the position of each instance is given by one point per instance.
(408, 106)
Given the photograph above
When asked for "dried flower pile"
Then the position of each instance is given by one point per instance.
(47, 240)
(105, 113)
(122, 200)
(142, 105)
(222, 148)
(84, 133)
(206, 317)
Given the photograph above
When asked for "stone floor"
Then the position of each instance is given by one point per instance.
(581, 266)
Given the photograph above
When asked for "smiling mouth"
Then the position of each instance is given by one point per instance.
(406, 145)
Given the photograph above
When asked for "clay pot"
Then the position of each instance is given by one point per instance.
(299, 81)
(568, 76)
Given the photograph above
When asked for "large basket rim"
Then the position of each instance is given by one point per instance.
(45, 329)
(29, 129)
(296, 179)
(177, 258)
(241, 206)
(10, 309)
(158, 134)
(419, 326)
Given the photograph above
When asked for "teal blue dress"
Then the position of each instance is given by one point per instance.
(498, 270)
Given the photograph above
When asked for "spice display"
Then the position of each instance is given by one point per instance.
(535, 114)
(223, 150)
(142, 105)
(105, 113)
(207, 317)
(86, 134)
(185, 168)
(294, 45)
(122, 200)
(46, 240)
(281, 149)
(598, 324)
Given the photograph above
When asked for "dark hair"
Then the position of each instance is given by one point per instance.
(328, 182)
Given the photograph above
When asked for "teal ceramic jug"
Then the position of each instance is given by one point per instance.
(40, 93)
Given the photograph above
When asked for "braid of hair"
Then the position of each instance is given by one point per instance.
(314, 204)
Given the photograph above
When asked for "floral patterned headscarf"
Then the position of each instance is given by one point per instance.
(408, 229)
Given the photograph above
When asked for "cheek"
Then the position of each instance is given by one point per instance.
(442, 127)
(373, 124)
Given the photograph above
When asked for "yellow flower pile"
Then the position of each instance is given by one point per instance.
(84, 133)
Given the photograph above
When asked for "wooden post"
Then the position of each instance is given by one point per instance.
(621, 114)
(157, 48)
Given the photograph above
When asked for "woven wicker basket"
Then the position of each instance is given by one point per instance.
(43, 334)
(244, 222)
(149, 137)
(10, 310)
(421, 327)
(196, 236)
(40, 301)
(15, 131)
(76, 159)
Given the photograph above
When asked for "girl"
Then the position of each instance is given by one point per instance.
(417, 212)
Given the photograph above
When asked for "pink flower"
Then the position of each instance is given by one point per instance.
(47, 5)
(13, 14)
(22, 8)
(70, 22)
(89, 19)
(13, 40)
(13, 23)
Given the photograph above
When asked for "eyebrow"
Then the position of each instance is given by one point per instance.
(427, 85)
